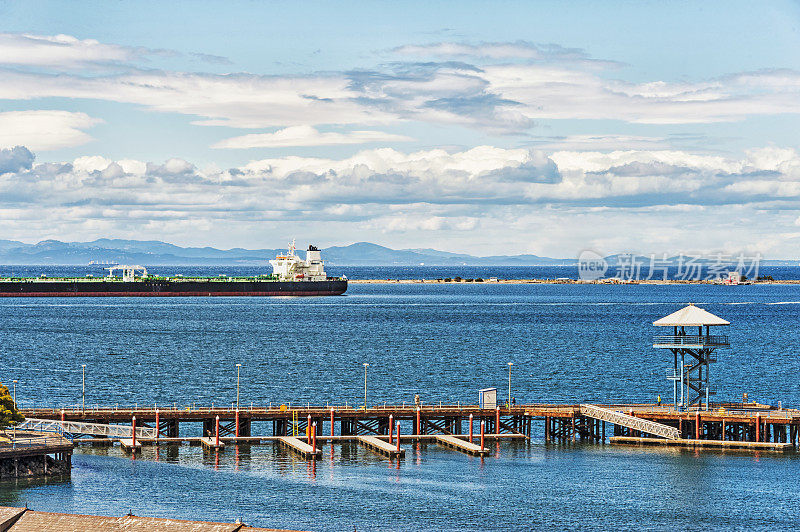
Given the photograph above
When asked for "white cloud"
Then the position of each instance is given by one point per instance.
(519, 50)
(236, 100)
(602, 142)
(493, 51)
(421, 223)
(495, 97)
(307, 136)
(61, 51)
(45, 130)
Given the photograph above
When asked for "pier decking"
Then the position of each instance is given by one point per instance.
(562, 423)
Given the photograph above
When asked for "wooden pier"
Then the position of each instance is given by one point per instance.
(554, 423)
(34, 454)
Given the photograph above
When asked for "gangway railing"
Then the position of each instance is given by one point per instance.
(631, 422)
(74, 428)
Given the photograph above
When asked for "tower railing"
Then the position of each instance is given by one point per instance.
(691, 339)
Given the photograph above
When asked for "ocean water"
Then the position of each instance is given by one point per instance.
(568, 343)
(400, 272)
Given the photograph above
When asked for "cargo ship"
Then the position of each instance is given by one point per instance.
(291, 276)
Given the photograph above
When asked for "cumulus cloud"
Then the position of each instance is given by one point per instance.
(15, 159)
(307, 136)
(463, 180)
(45, 130)
(491, 195)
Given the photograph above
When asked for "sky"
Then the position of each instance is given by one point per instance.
(488, 128)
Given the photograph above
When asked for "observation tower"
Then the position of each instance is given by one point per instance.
(698, 346)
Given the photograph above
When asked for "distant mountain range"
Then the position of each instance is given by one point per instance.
(156, 253)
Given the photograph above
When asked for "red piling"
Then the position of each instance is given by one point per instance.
(308, 430)
(419, 422)
(217, 420)
(497, 421)
(758, 427)
(133, 432)
(237, 422)
(331, 423)
(398, 437)
(314, 440)
(391, 419)
(483, 430)
(470, 428)
(697, 425)
(157, 426)
(62, 415)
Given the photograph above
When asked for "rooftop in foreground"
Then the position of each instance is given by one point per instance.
(23, 520)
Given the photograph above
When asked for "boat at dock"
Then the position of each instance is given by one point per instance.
(291, 276)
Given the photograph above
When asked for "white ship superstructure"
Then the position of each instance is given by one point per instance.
(290, 267)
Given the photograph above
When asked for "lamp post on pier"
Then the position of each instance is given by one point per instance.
(15, 391)
(365, 386)
(83, 388)
(509, 383)
(238, 367)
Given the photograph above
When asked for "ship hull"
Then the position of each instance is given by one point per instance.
(171, 288)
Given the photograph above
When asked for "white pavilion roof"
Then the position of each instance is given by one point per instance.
(690, 316)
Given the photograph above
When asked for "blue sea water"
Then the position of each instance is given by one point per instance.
(568, 343)
(403, 272)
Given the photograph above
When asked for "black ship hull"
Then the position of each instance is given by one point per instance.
(170, 288)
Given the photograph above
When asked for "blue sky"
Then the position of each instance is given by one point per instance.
(511, 127)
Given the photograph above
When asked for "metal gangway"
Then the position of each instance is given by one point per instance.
(631, 422)
(73, 429)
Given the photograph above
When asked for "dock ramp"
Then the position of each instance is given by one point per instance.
(631, 422)
(79, 428)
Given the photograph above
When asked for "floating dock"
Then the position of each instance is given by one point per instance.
(461, 445)
(212, 443)
(706, 444)
(381, 447)
(300, 447)
(129, 445)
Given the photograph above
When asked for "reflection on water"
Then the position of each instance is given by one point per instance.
(520, 486)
